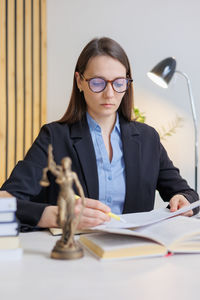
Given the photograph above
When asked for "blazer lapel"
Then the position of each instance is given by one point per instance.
(83, 145)
(132, 158)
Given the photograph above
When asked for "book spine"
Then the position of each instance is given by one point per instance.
(9, 228)
(8, 204)
(7, 217)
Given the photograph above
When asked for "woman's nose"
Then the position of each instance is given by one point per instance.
(109, 92)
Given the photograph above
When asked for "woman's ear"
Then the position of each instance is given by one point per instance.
(78, 81)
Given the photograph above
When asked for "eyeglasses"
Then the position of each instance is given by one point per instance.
(98, 84)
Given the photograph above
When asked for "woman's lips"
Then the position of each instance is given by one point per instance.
(107, 104)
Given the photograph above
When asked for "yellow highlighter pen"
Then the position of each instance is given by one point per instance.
(116, 217)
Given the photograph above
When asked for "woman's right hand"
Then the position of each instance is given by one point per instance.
(94, 213)
(49, 217)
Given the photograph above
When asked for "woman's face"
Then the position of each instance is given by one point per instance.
(105, 103)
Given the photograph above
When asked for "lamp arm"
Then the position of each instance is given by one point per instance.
(194, 116)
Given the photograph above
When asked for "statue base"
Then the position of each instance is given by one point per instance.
(61, 251)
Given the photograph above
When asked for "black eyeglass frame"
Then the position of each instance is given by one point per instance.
(129, 80)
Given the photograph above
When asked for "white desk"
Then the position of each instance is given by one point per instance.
(36, 276)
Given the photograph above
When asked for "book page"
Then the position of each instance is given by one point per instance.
(134, 220)
(173, 230)
(167, 232)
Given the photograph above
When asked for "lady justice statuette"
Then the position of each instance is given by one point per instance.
(66, 247)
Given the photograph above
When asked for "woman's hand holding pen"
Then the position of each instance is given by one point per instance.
(94, 213)
(49, 217)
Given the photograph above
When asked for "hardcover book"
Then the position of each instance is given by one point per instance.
(174, 235)
(9, 229)
(58, 231)
(7, 216)
(9, 242)
(8, 204)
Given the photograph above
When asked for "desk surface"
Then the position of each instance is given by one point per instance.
(36, 276)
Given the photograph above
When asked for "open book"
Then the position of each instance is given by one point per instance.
(175, 235)
(136, 219)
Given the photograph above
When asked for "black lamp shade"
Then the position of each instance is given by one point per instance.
(163, 72)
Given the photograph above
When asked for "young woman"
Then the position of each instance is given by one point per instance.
(119, 162)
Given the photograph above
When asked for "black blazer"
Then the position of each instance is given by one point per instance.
(147, 168)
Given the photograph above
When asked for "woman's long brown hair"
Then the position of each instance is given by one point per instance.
(77, 105)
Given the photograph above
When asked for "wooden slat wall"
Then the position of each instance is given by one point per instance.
(10, 78)
(36, 67)
(28, 76)
(22, 78)
(19, 80)
(2, 90)
(43, 64)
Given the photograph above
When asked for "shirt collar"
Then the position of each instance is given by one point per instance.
(117, 125)
(93, 125)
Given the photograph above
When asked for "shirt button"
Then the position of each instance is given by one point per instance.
(109, 177)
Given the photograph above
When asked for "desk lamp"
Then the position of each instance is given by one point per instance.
(161, 74)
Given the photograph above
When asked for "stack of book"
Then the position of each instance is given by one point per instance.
(9, 230)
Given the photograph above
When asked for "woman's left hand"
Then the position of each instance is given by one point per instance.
(179, 201)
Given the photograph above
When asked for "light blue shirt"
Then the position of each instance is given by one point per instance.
(111, 175)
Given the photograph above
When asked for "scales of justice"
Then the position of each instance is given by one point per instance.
(66, 247)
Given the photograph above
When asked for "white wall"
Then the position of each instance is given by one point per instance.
(149, 31)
